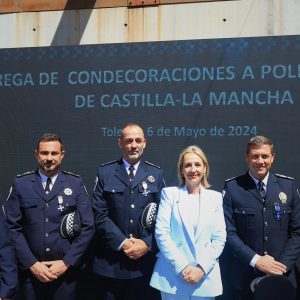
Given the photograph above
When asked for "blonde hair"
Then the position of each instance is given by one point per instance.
(196, 150)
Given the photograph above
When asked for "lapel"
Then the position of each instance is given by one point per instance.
(204, 212)
(121, 173)
(141, 173)
(250, 186)
(37, 186)
(273, 189)
(185, 213)
(59, 183)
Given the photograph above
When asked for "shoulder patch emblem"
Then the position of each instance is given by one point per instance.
(70, 173)
(26, 173)
(284, 176)
(151, 164)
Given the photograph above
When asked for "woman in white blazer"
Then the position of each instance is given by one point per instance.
(190, 233)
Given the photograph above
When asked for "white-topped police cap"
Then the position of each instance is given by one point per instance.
(275, 287)
(70, 226)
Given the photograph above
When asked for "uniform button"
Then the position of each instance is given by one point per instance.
(131, 221)
(131, 191)
(243, 212)
(265, 208)
(46, 220)
(47, 204)
(132, 205)
(46, 234)
(47, 249)
(130, 235)
(265, 238)
(265, 252)
(266, 224)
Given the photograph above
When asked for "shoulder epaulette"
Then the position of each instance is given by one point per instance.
(26, 173)
(70, 173)
(109, 163)
(151, 164)
(231, 178)
(284, 176)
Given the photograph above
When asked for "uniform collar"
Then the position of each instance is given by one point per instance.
(265, 180)
(127, 164)
(44, 178)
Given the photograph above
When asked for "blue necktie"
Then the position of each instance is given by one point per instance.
(47, 187)
(131, 174)
(262, 190)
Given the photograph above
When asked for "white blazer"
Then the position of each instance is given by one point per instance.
(181, 245)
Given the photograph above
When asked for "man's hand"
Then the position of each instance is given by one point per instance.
(137, 250)
(269, 265)
(127, 244)
(56, 267)
(42, 273)
(192, 274)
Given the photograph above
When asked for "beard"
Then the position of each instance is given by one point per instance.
(48, 168)
(137, 155)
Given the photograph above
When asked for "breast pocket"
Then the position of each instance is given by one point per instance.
(245, 217)
(69, 204)
(114, 196)
(29, 209)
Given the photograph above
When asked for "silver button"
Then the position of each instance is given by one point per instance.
(132, 205)
(46, 234)
(266, 224)
(47, 204)
(130, 235)
(131, 191)
(46, 220)
(265, 238)
(131, 221)
(266, 252)
(47, 249)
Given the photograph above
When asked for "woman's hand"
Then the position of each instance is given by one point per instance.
(192, 275)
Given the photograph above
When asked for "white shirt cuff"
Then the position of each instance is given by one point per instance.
(254, 260)
(120, 247)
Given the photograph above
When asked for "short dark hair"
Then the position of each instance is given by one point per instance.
(49, 137)
(259, 141)
(130, 125)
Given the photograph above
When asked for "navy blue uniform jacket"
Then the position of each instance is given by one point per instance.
(34, 219)
(8, 266)
(252, 228)
(118, 206)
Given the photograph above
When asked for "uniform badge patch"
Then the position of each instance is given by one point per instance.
(68, 192)
(151, 179)
(145, 188)
(282, 197)
(60, 201)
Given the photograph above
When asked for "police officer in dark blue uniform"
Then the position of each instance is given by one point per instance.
(125, 253)
(37, 203)
(262, 212)
(8, 266)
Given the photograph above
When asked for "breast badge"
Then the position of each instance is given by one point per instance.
(282, 197)
(68, 192)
